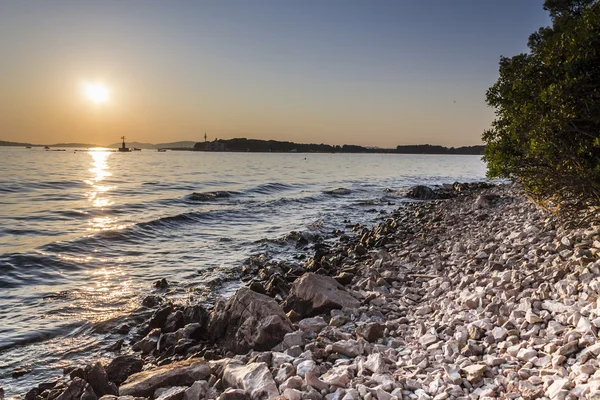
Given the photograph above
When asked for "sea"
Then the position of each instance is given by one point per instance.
(84, 233)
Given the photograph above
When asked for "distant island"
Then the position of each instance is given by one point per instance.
(273, 146)
(265, 146)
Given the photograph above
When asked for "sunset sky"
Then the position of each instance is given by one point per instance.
(375, 73)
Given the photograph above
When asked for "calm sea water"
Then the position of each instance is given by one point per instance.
(84, 234)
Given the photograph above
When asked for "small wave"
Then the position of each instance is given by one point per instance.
(205, 196)
(338, 192)
(268, 188)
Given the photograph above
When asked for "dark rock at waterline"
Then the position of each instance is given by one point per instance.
(98, 379)
(174, 321)
(78, 389)
(152, 300)
(257, 287)
(149, 343)
(160, 316)
(161, 284)
(17, 373)
(195, 314)
(122, 367)
(277, 285)
(313, 294)
(338, 191)
(248, 320)
(421, 192)
(208, 195)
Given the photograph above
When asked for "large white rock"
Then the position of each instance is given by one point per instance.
(254, 378)
(376, 364)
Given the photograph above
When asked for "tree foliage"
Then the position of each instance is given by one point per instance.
(546, 134)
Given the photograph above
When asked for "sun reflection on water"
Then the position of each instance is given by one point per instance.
(97, 194)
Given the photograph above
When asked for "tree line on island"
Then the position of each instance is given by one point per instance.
(259, 145)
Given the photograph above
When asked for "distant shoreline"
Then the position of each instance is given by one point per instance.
(271, 146)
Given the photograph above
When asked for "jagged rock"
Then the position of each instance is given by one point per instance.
(99, 381)
(78, 389)
(376, 364)
(234, 394)
(313, 294)
(312, 325)
(248, 320)
(421, 193)
(475, 372)
(197, 391)
(183, 373)
(121, 367)
(254, 378)
(371, 331)
(172, 393)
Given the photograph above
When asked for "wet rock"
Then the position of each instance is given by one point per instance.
(149, 343)
(78, 389)
(152, 301)
(159, 317)
(248, 320)
(17, 373)
(98, 379)
(421, 193)
(254, 378)
(121, 367)
(313, 294)
(161, 284)
(183, 373)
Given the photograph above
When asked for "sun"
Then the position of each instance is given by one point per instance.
(96, 92)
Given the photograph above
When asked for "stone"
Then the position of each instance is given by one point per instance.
(183, 373)
(475, 372)
(558, 390)
(499, 333)
(121, 367)
(371, 331)
(234, 394)
(98, 379)
(314, 294)
(305, 366)
(197, 391)
(568, 348)
(421, 192)
(312, 325)
(292, 394)
(312, 380)
(337, 376)
(254, 378)
(293, 382)
(376, 364)
(248, 320)
(348, 348)
(531, 318)
(172, 393)
(428, 339)
(78, 389)
(526, 354)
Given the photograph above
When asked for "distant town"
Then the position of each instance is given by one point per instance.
(266, 146)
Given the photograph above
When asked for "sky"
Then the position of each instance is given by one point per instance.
(373, 73)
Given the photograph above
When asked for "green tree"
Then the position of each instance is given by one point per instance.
(546, 134)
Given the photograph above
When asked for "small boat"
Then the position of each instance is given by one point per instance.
(27, 147)
(162, 150)
(124, 149)
(46, 148)
(136, 149)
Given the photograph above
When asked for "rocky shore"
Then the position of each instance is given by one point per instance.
(471, 293)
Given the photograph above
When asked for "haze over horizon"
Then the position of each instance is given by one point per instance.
(374, 74)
